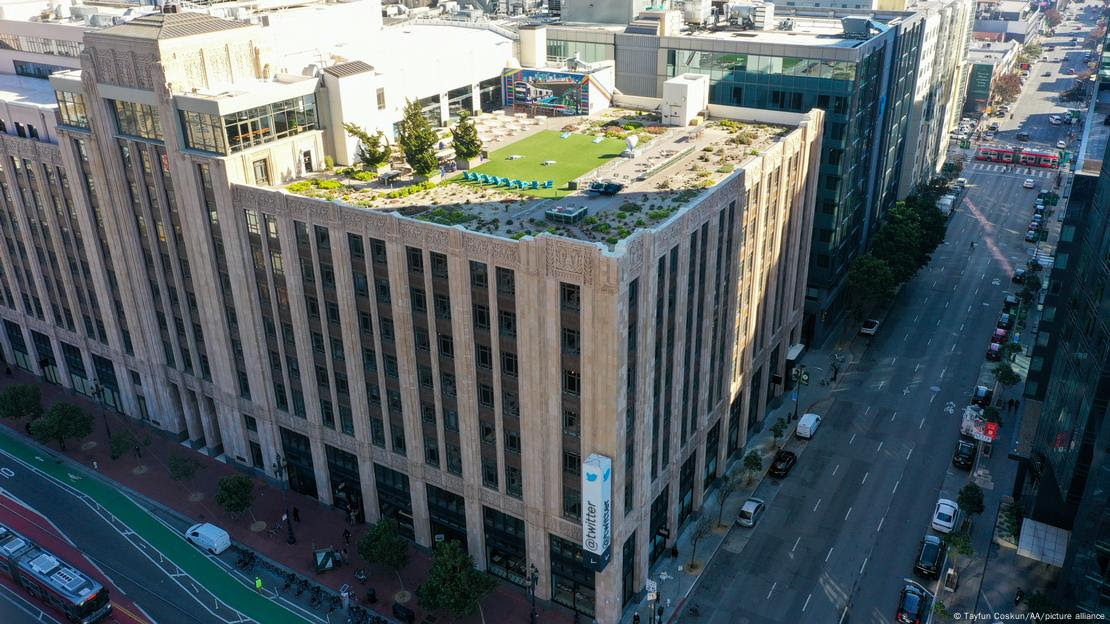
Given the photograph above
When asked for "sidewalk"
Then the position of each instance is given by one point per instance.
(673, 577)
(180, 503)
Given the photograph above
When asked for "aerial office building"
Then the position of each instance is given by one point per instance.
(455, 376)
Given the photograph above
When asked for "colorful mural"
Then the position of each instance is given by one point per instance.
(547, 92)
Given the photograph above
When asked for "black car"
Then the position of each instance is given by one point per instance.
(784, 461)
(912, 606)
(1005, 321)
(964, 456)
(1019, 276)
(1009, 304)
(982, 396)
(930, 556)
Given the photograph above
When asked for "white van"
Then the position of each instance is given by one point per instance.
(807, 426)
(209, 537)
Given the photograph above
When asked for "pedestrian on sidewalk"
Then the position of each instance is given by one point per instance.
(258, 584)
(8, 371)
(346, 536)
(1017, 404)
(296, 514)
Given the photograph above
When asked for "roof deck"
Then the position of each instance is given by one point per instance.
(671, 167)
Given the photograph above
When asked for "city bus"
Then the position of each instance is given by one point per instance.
(1018, 156)
(44, 575)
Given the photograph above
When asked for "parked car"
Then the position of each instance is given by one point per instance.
(750, 512)
(982, 396)
(1034, 226)
(1071, 70)
(930, 556)
(964, 455)
(1061, 144)
(1055, 120)
(1019, 276)
(1029, 183)
(961, 182)
(1000, 336)
(994, 352)
(945, 515)
(869, 327)
(912, 606)
(1046, 74)
(807, 426)
(1005, 321)
(783, 462)
(1030, 236)
(1009, 303)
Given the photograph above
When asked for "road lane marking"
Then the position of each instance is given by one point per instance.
(896, 486)
(828, 555)
(818, 503)
(910, 453)
(864, 478)
(807, 602)
(896, 411)
(880, 524)
(852, 439)
(916, 366)
(916, 317)
(906, 338)
(946, 304)
(881, 384)
(893, 360)
(773, 586)
(921, 425)
(848, 514)
(961, 328)
(7, 472)
(835, 469)
(796, 543)
(866, 411)
(969, 308)
(938, 320)
(860, 568)
(880, 446)
(930, 341)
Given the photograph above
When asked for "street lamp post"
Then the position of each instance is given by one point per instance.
(533, 578)
(97, 392)
(800, 377)
(281, 468)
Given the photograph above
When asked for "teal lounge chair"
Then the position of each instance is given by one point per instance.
(483, 178)
(494, 180)
(549, 184)
(468, 176)
(505, 182)
(535, 184)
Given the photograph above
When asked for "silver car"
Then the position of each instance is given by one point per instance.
(750, 512)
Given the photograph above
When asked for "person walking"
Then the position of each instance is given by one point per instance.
(258, 584)
(296, 514)
(1017, 404)
(346, 536)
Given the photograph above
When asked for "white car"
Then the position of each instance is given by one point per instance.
(1028, 183)
(869, 327)
(944, 516)
(750, 512)
(1061, 144)
(209, 537)
(1055, 120)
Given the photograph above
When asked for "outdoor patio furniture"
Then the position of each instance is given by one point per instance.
(483, 178)
(564, 135)
(504, 182)
(549, 184)
(535, 184)
(547, 162)
(515, 157)
(598, 139)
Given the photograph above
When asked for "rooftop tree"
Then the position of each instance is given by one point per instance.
(417, 140)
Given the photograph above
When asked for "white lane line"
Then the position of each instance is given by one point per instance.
(910, 453)
(893, 415)
(807, 602)
(864, 478)
(896, 486)
(953, 349)
(934, 283)
(860, 568)
(848, 514)
(938, 320)
(988, 260)
(828, 555)
(977, 290)
(893, 360)
(916, 317)
(969, 308)
(930, 341)
(961, 328)
(773, 586)
(881, 384)
(921, 425)
(835, 469)
(932, 397)
(880, 524)
(880, 446)
(818, 503)
(852, 439)
(796, 543)
(916, 366)
(866, 411)
(906, 338)
(946, 304)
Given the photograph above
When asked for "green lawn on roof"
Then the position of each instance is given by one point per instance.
(573, 156)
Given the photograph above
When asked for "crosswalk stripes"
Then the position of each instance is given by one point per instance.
(996, 168)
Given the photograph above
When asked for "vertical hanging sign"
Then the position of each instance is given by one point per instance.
(597, 510)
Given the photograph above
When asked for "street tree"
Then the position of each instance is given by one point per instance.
(728, 486)
(777, 430)
(63, 421)
(1010, 351)
(453, 583)
(182, 468)
(418, 140)
(870, 284)
(753, 463)
(467, 143)
(1053, 18)
(1034, 50)
(1007, 87)
(122, 442)
(701, 529)
(20, 401)
(970, 499)
(235, 493)
(992, 414)
(1005, 374)
(959, 542)
(373, 150)
(382, 544)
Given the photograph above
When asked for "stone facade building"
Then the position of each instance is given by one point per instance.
(450, 379)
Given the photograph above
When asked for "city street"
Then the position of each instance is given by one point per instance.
(842, 531)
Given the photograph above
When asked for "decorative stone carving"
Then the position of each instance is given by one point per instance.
(192, 65)
(570, 261)
(125, 69)
(143, 67)
(424, 236)
(501, 253)
(105, 66)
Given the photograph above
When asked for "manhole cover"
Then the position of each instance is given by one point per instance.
(402, 596)
(88, 446)
(196, 497)
(138, 470)
(258, 526)
(934, 388)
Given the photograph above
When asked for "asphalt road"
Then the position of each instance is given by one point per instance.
(841, 532)
(130, 569)
(16, 609)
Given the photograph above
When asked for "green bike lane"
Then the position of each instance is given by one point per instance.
(191, 563)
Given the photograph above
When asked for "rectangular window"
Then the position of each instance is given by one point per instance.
(443, 307)
(571, 341)
(446, 346)
(419, 304)
(270, 122)
(415, 259)
(483, 357)
(72, 108)
(381, 98)
(481, 317)
(485, 395)
(508, 364)
(506, 284)
(570, 296)
(506, 322)
(479, 275)
(571, 463)
(138, 120)
(570, 422)
(572, 383)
